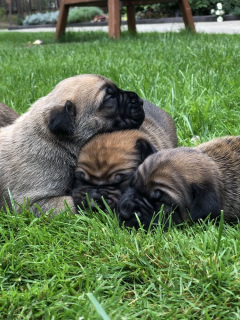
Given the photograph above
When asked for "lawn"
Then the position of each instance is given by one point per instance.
(86, 266)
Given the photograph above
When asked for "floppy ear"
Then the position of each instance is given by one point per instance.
(205, 202)
(145, 148)
(62, 122)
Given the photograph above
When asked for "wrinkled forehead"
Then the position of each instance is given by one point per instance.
(100, 156)
(98, 159)
(86, 82)
(109, 145)
(174, 167)
(152, 171)
(85, 86)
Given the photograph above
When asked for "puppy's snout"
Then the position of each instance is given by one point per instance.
(109, 201)
(127, 215)
(138, 214)
(97, 201)
(124, 215)
(136, 109)
(125, 210)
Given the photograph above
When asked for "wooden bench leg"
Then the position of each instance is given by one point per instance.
(62, 20)
(114, 18)
(187, 14)
(131, 19)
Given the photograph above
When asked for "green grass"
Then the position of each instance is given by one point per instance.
(85, 266)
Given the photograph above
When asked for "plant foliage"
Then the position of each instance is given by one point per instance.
(76, 14)
(83, 14)
(198, 7)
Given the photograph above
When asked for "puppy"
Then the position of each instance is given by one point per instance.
(159, 127)
(38, 152)
(190, 183)
(107, 161)
(7, 115)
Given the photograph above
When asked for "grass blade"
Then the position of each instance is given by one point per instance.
(220, 231)
(98, 307)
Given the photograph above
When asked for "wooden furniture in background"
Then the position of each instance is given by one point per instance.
(114, 20)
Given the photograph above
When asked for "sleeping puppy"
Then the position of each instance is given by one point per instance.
(190, 183)
(7, 115)
(107, 161)
(38, 152)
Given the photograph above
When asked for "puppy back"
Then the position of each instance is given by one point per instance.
(225, 152)
(159, 124)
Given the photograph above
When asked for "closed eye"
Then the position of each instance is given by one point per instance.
(110, 94)
(157, 195)
(110, 91)
(120, 177)
(80, 176)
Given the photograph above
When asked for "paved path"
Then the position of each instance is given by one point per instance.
(229, 27)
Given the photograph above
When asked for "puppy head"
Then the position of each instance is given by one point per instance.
(105, 166)
(84, 105)
(182, 181)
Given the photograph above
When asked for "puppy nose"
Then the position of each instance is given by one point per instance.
(125, 214)
(138, 213)
(93, 203)
(94, 200)
(96, 203)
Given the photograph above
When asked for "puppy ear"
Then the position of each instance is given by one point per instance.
(205, 202)
(145, 147)
(62, 122)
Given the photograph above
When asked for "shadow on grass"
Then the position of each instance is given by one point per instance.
(73, 37)
(91, 36)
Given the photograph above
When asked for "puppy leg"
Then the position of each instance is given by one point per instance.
(56, 205)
